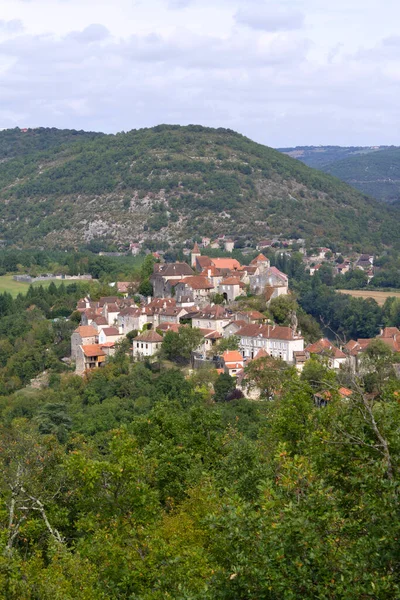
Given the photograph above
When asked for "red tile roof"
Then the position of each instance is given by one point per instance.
(325, 346)
(197, 282)
(110, 331)
(273, 332)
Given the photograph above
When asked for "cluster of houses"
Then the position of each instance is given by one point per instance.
(184, 296)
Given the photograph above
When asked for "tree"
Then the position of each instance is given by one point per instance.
(267, 374)
(145, 288)
(228, 343)
(223, 387)
(317, 373)
(178, 347)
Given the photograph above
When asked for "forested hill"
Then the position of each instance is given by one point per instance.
(376, 173)
(373, 170)
(321, 157)
(21, 142)
(170, 183)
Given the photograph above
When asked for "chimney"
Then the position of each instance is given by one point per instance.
(148, 299)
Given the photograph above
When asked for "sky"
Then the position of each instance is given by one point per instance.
(284, 73)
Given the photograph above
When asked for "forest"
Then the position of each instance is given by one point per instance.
(135, 482)
(147, 480)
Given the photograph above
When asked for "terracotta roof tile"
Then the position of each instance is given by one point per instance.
(92, 350)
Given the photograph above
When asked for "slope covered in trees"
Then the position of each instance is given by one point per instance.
(376, 173)
(373, 170)
(171, 182)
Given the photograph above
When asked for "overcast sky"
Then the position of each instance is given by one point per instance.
(283, 72)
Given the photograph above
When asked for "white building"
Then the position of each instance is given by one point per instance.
(279, 342)
(147, 344)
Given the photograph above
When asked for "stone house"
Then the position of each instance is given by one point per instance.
(196, 287)
(165, 274)
(131, 319)
(83, 335)
(89, 357)
(212, 317)
(231, 288)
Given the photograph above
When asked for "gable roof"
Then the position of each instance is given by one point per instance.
(325, 346)
(231, 281)
(197, 282)
(233, 359)
(272, 332)
(259, 258)
(177, 269)
(86, 331)
(226, 263)
(110, 331)
(149, 336)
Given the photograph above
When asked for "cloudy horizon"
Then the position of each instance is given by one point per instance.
(283, 73)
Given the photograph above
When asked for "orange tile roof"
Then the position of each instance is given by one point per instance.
(92, 350)
(259, 258)
(232, 356)
(226, 263)
(86, 331)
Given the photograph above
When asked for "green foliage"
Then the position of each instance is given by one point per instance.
(178, 347)
(223, 387)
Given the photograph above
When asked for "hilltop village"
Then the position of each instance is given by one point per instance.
(203, 299)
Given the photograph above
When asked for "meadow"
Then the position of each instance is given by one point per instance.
(379, 297)
(8, 284)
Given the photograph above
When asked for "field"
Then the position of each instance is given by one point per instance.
(379, 297)
(7, 284)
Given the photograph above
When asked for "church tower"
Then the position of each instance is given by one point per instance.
(194, 255)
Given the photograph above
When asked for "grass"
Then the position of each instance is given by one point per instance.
(7, 284)
(379, 297)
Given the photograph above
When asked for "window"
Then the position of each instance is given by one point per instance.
(147, 345)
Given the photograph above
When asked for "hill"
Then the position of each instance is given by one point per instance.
(170, 183)
(373, 170)
(21, 142)
(376, 173)
(320, 157)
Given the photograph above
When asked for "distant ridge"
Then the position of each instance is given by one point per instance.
(373, 170)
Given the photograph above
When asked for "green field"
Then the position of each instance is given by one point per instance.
(7, 284)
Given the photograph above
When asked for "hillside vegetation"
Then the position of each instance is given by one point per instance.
(373, 170)
(18, 142)
(319, 157)
(170, 183)
(376, 173)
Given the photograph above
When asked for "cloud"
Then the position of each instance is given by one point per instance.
(92, 33)
(13, 26)
(269, 17)
(269, 87)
